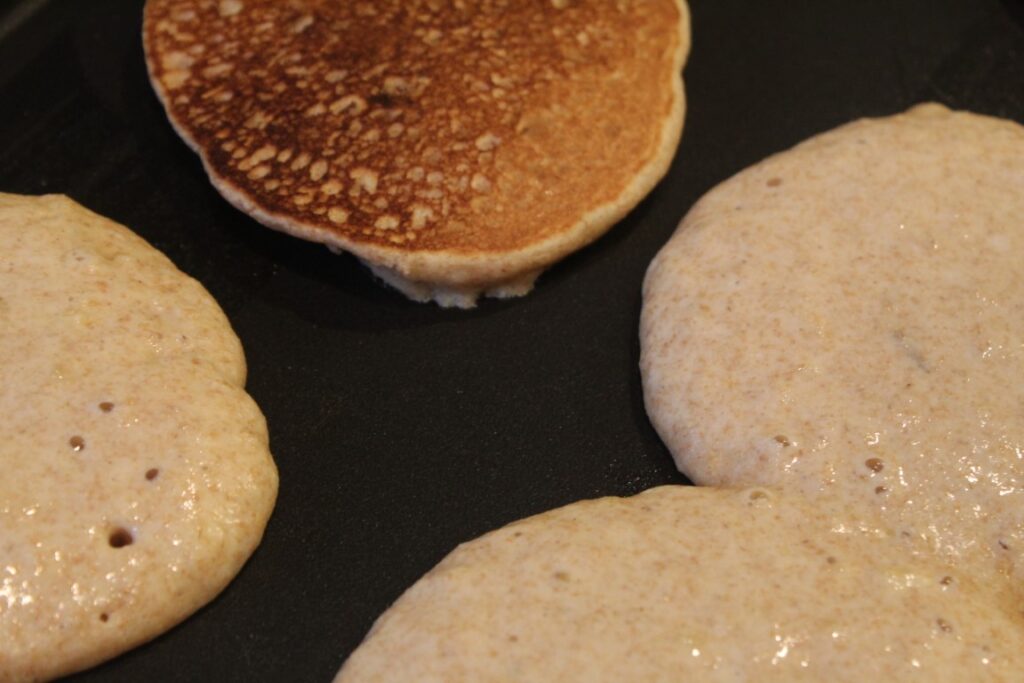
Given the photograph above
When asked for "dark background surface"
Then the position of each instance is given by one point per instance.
(402, 429)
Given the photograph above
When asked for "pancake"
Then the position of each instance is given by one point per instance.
(680, 583)
(846, 320)
(457, 148)
(136, 473)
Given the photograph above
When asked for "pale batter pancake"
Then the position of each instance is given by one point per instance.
(681, 584)
(136, 478)
(846, 320)
(457, 148)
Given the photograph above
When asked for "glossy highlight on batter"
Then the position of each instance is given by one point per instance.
(136, 477)
(683, 583)
(846, 320)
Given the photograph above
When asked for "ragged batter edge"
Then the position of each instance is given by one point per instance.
(453, 277)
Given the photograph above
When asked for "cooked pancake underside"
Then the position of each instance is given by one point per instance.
(456, 151)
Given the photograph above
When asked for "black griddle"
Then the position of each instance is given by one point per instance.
(402, 429)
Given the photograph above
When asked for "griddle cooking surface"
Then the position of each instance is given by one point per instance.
(401, 429)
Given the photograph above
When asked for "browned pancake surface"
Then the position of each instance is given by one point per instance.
(429, 125)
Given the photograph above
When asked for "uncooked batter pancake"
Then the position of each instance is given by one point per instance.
(457, 148)
(846, 319)
(681, 584)
(136, 478)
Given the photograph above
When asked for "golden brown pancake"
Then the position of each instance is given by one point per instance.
(456, 147)
(135, 478)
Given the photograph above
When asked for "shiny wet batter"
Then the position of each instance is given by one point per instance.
(683, 583)
(134, 472)
(846, 320)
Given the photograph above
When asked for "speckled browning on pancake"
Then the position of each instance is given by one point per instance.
(463, 129)
(135, 478)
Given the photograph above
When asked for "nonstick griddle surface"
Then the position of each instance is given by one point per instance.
(403, 429)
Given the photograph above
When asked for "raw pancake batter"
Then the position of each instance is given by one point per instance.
(135, 478)
(846, 320)
(681, 584)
